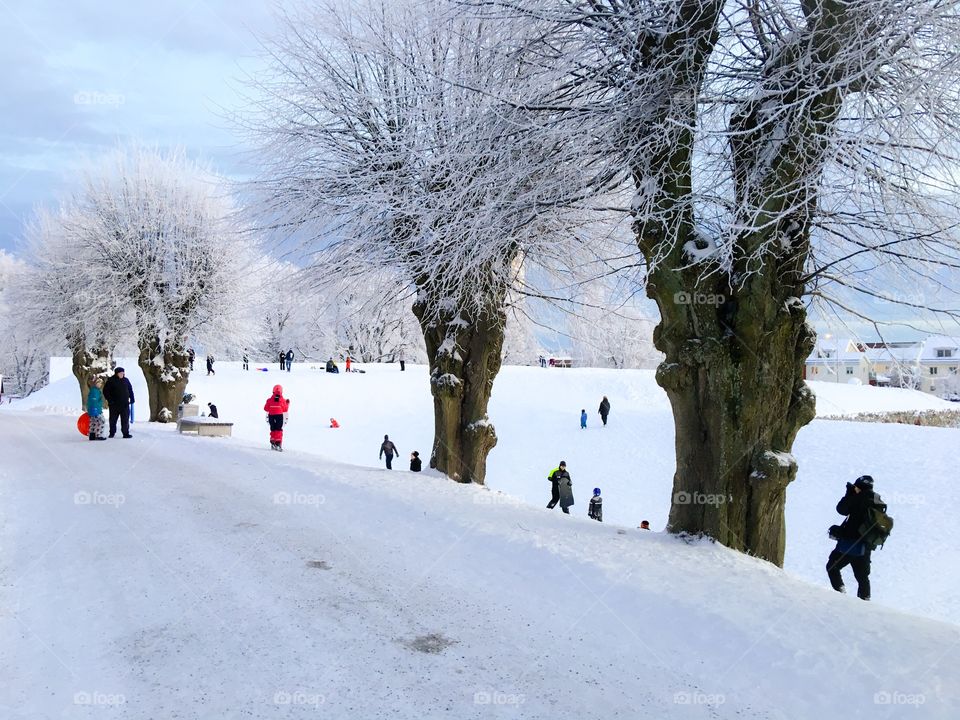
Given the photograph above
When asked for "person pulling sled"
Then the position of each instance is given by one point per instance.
(276, 408)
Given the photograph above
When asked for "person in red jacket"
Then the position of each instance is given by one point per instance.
(276, 408)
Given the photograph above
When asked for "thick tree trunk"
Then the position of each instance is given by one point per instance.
(89, 364)
(734, 375)
(464, 354)
(166, 370)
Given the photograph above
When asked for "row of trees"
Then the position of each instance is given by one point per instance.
(776, 152)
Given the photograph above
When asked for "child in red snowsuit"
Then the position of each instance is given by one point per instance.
(276, 408)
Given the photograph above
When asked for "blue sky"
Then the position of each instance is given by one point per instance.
(81, 75)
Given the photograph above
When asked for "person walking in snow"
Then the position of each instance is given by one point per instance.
(191, 356)
(348, 363)
(583, 419)
(289, 359)
(561, 488)
(213, 411)
(389, 449)
(403, 362)
(246, 360)
(276, 408)
(283, 360)
(95, 409)
(118, 392)
(851, 549)
(210, 370)
(604, 409)
(595, 511)
(415, 464)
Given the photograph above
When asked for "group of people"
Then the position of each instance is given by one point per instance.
(286, 360)
(604, 412)
(117, 393)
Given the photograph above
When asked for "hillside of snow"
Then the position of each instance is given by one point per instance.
(536, 415)
(172, 576)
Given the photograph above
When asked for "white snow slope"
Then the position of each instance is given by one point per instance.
(180, 577)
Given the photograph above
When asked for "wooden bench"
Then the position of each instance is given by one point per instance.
(206, 426)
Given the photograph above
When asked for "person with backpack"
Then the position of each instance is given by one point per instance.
(865, 528)
(276, 407)
(595, 511)
(561, 488)
(583, 419)
(604, 409)
(389, 449)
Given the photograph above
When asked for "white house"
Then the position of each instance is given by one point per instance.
(930, 365)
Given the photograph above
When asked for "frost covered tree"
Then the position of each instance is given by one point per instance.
(159, 236)
(24, 348)
(376, 147)
(779, 151)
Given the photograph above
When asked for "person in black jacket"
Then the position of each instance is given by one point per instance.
(604, 409)
(389, 449)
(415, 464)
(558, 476)
(850, 549)
(118, 393)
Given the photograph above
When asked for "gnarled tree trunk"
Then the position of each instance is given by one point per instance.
(166, 370)
(87, 364)
(464, 354)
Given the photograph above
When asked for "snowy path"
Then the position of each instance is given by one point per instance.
(198, 578)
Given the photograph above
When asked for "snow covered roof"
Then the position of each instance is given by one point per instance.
(940, 342)
(846, 351)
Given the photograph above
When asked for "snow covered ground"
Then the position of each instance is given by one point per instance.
(205, 577)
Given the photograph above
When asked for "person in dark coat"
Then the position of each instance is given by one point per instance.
(118, 392)
(595, 511)
(557, 477)
(210, 370)
(246, 360)
(850, 549)
(213, 411)
(604, 409)
(389, 449)
(283, 360)
(289, 360)
(191, 356)
(415, 464)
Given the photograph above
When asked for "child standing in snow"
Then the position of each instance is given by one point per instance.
(276, 408)
(595, 511)
(583, 419)
(415, 464)
(95, 409)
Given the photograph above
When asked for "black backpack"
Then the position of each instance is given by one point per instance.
(877, 525)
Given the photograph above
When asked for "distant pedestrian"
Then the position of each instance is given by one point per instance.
(543, 361)
(210, 370)
(191, 356)
(246, 360)
(583, 419)
(334, 423)
(595, 511)
(388, 449)
(403, 365)
(604, 409)
(95, 409)
(348, 363)
(289, 360)
(283, 360)
(118, 392)
(644, 524)
(415, 464)
(561, 488)
(331, 367)
(213, 410)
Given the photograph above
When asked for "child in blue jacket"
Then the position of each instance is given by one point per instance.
(95, 409)
(583, 419)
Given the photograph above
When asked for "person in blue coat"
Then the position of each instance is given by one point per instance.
(583, 419)
(95, 408)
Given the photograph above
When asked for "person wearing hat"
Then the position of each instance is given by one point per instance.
(118, 392)
(595, 511)
(850, 549)
(560, 477)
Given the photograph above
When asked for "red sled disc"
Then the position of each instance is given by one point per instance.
(83, 424)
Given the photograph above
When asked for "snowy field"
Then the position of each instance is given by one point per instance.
(188, 577)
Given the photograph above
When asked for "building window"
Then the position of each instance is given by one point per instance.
(849, 371)
(933, 371)
(944, 353)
